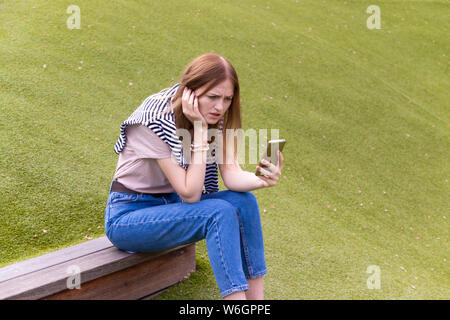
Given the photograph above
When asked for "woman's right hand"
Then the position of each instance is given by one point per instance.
(189, 103)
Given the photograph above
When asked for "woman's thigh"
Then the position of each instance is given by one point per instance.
(246, 205)
(161, 227)
(240, 200)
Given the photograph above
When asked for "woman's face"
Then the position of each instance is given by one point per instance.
(214, 103)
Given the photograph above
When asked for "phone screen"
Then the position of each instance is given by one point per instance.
(271, 153)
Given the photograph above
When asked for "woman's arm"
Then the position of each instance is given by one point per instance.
(188, 183)
(236, 179)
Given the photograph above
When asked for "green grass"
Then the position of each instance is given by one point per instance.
(365, 114)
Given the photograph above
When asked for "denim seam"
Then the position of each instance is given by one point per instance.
(258, 274)
(234, 289)
(115, 204)
(159, 220)
(122, 200)
(221, 255)
(244, 244)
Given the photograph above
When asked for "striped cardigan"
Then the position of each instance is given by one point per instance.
(148, 114)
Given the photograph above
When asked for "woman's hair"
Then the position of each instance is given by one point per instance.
(212, 69)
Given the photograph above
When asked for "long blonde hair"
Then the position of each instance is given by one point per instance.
(213, 69)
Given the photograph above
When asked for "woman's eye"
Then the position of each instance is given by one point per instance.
(214, 97)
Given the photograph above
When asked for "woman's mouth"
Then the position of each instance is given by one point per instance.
(215, 115)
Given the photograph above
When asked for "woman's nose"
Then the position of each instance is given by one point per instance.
(219, 106)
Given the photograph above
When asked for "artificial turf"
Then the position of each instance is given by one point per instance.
(365, 114)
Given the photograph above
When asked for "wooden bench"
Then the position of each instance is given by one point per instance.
(102, 270)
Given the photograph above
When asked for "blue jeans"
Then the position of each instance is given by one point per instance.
(228, 220)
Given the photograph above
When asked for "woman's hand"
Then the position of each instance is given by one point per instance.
(189, 103)
(270, 178)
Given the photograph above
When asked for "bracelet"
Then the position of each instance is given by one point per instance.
(204, 145)
(199, 147)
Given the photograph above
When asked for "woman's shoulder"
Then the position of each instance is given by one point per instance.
(145, 141)
(142, 131)
(165, 93)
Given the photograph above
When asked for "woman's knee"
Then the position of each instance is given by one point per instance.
(242, 199)
(223, 212)
(248, 209)
(249, 198)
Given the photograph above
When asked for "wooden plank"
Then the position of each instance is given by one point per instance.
(53, 258)
(137, 281)
(154, 294)
(48, 281)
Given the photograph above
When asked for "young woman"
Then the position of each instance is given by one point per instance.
(156, 199)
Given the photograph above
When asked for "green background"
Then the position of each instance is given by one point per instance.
(365, 114)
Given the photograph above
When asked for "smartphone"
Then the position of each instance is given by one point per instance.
(271, 153)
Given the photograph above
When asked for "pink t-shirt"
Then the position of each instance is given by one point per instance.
(137, 168)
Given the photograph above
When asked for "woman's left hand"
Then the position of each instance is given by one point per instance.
(270, 178)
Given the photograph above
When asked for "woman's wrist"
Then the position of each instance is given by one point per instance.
(200, 136)
(199, 147)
